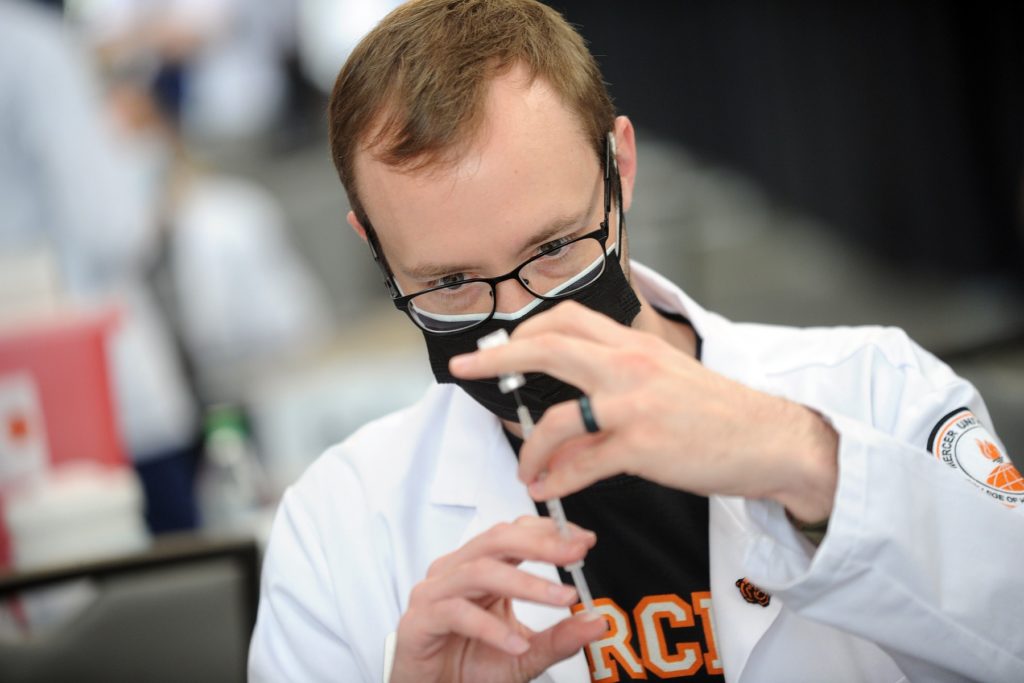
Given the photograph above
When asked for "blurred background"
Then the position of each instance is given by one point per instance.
(186, 321)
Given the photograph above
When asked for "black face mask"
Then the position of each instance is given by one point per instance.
(610, 294)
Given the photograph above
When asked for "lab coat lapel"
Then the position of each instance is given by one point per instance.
(731, 530)
(743, 623)
(477, 469)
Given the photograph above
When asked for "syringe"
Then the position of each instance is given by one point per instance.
(510, 383)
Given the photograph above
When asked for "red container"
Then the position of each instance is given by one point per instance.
(64, 358)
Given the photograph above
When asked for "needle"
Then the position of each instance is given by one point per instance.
(557, 513)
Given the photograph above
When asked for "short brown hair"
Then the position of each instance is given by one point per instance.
(419, 80)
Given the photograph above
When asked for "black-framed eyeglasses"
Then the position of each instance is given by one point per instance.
(561, 269)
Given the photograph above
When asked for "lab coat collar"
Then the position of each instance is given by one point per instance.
(470, 432)
(719, 352)
(477, 469)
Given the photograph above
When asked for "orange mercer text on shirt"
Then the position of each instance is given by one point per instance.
(651, 618)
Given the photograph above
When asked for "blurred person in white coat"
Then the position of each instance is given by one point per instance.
(68, 185)
(328, 30)
(754, 503)
(219, 64)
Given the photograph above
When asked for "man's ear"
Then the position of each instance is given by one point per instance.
(356, 225)
(625, 154)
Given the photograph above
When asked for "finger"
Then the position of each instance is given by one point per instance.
(519, 542)
(490, 577)
(560, 423)
(535, 520)
(577, 464)
(577, 361)
(576, 320)
(562, 640)
(463, 617)
(548, 523)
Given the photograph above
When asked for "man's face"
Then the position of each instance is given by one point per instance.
(529, 178)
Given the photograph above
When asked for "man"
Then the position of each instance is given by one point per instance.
(489, 175)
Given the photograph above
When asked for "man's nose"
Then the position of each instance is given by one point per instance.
(512, 296)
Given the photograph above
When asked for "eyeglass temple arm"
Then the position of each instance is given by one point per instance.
(610, 164)
(378, 257)
(611, 175)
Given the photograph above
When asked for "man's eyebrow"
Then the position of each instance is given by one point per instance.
(431, 271)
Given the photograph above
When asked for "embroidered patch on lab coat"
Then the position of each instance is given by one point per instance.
(752, 594)
(961, 441)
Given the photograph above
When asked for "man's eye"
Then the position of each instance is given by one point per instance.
(452, 279)
(554, 246)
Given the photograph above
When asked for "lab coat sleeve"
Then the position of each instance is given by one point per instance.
(916, 558)
(299, 633)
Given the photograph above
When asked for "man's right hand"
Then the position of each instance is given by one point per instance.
(460, 627)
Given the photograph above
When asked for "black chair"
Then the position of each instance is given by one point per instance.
(182, 611)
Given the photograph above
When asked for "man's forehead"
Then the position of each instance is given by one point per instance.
(529, 155)
(522, 117)
(429, 237)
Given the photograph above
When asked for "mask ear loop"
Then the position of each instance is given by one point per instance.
(611, 167)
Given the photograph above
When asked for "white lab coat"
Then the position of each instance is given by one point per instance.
(918, 577)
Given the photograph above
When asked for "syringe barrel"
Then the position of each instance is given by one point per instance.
(557, 513)
(509, 381)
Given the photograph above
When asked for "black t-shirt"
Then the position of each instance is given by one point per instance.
(649, 575)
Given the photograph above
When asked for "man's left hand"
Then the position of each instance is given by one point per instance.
(662, 416)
